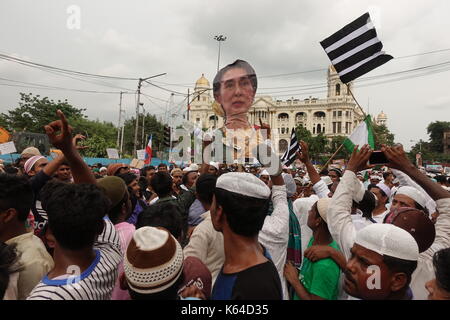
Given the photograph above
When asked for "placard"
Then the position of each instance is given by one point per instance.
(133, 163)
(7, 148)
(141, 154)
(140, 164)
(112, 153)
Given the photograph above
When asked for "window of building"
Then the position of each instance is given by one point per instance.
(314, 130)
(339, 113)
(282, 145)
(338, 89)
(334, 114)
(334, 127)
(339, 127)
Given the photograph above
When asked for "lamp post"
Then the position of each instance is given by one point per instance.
(219, 38)
(420, 144)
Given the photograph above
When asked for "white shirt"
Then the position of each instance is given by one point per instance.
(274, 234)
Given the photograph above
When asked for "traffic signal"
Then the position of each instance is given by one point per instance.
(167, 136)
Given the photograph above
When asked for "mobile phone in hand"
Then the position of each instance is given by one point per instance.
(378, 157)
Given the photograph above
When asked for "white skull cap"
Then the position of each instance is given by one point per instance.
(387, 239)
(243, 183)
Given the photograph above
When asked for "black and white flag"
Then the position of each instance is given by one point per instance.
(289, 156)
(355, 49)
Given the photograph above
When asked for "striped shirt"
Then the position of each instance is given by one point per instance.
(95, 283)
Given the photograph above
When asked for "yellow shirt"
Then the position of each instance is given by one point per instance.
(34, 260)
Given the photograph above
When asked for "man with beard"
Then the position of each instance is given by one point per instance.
(382, 261)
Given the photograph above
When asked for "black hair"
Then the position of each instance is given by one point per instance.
(245, 215)
(323, 172)
(184, 180)
(238, 64)
(76, 226)
(162, 165)
(144, 170)
(205, 186)
(127, 177)
(400, 265)
(337, 170)
(424, 209)
(166, 215)
(371, 186)
(441, 263)
(143, 184)
(367, 204)
(16, 193)
(9, 168)
(441, 179)
(170, 293)
(162, 184)
(8, 265)
(47, 190)
(64, 163)
(387, 174)
(116, 211)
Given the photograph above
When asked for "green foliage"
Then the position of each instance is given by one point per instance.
(99, 136)
(436, 131)
(335, 144)
(429, 156)
(317, 145)
(152, 127)
(382, 135)
(35, 112)
(97, 147)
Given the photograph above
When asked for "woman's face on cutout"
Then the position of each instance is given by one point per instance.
(236, 92)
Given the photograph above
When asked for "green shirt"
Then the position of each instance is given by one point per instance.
(320, 278)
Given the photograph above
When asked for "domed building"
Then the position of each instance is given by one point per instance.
(201, 112)
(381, 119)
(335, 115)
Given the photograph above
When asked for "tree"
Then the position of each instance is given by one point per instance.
(436, 131)
(303, 134)
(99, 136)
(316, 145)
(382, 135)
(335, 143)
(152, 126)
(35, 112)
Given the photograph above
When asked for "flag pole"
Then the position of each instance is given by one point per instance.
(364, 117)
(331, 158)
(357, 103)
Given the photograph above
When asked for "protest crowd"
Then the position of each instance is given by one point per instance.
(215, 230)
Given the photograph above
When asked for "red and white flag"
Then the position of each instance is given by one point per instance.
(148, 151)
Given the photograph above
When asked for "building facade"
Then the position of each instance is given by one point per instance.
(335, 115)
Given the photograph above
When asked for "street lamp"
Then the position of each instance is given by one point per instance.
(420, 144)
(219, 38)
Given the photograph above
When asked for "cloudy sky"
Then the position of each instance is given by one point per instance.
(140, 38)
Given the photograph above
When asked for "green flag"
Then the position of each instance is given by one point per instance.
(363, 134)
